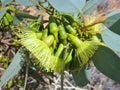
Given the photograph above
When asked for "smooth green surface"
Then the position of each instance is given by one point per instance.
(69, 6)
(81, 78)
(107, 62)
(90, 6)
(25, 15)
(113, 21)
(13, 68)
(16, 20)
(2, 13)
(27, 2)
(111, 39)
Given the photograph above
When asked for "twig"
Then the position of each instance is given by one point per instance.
(68, 82)
(43, 8)
(62, 76)
(6, 42)
(63, 67)
(26, 75)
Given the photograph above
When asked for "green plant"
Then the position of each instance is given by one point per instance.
(71, 40)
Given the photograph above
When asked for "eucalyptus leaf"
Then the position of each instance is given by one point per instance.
(14, 67)
(88, 72)
(27, 2)
(107, 62)
(25, 15)
(16, 20)
(113, 21)
(5, 2)
(80, 78)
(45, 4)
(69, 6)
(111, 39)
(2, 13)
(90, 6)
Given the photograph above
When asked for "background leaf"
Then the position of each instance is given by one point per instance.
(90, 6)
(25, 15)
(107, 62)
(2, 13)
(16, 20)
(27, 2)
(69, 6)
(13, 68)
(5, 2)
(111, 39)
(113, 21)
(81, 78)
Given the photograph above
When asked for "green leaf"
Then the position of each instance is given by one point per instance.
(80, 78)
(25, 15)
(45, 4)
(5, 2)
(16, 20)
(90, 6)
(69, 6)
(113, 21)
(2, 13)
(107, 62)
(88, 73)
(27, 2)
(111, 39)
(14, 67)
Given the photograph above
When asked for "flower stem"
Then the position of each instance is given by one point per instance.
(26, 75)
(63, 67)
